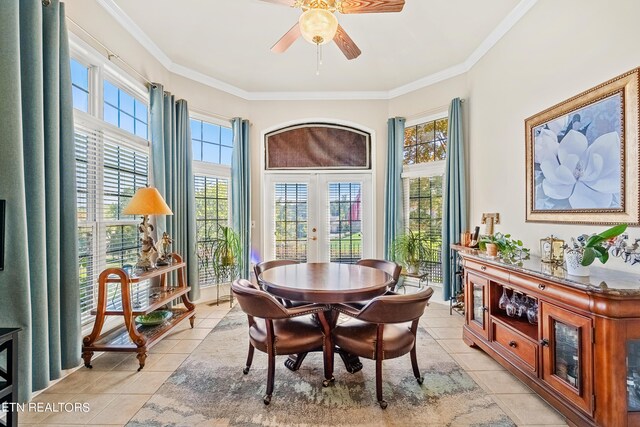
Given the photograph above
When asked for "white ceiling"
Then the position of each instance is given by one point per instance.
(227, 43)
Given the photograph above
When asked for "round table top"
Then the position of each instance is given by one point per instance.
(325, 282)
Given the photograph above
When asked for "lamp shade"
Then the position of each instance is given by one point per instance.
(318, 26)
(147, 201)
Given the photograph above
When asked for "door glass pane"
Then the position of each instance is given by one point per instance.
(566, 361)
(633, 375)
(345, 222)
(478, 304)
(290, 235)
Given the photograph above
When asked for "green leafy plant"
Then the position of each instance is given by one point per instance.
(508, 248)
(226, 250)
(410, 249)
(596, 245)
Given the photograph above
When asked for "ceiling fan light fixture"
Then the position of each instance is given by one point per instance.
(318, 26)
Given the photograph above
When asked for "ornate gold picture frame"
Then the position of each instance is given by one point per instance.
(583, 157)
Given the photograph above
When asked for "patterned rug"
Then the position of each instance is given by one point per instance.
(209, 389)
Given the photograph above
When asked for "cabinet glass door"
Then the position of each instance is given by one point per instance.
(566, 357)
(567, 348)
(477, 289)
(633, 375)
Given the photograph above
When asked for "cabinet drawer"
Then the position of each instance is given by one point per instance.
(486, 269)
(516, 345)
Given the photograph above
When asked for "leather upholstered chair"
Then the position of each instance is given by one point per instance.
(278, 330)
(389, 267)
(384, 329)
(266, 265)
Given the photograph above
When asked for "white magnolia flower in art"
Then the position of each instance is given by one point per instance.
(587, 175)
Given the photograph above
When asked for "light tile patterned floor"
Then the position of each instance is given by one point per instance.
(116, 391)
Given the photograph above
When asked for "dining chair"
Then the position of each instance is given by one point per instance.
(259, 268)
(278, 330)
(381, 330)
(389, 267)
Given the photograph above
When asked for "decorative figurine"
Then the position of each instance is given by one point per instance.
(148, 245)
(165, 256)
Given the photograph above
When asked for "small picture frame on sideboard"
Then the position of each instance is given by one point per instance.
(2, 209)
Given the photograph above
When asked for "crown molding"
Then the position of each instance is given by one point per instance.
(503, 27)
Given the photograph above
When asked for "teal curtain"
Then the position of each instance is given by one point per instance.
(393, 202)
(39, 287)
(171, 157)
(454, 204)
(241, 190)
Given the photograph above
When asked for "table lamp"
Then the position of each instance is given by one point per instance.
(147, 201)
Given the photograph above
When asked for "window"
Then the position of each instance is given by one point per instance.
(291, 225)
(345, 222)
(125, 111)
(111, 164)
(211, 143)
(426, 142)
(108, 172)
(212, 211)
(80, 86)
(425, 151)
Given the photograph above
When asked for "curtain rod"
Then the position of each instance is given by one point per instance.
(110, 54)
(431, 111)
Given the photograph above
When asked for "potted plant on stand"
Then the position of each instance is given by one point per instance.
(226, 253)
(410, 250)
(583, 250)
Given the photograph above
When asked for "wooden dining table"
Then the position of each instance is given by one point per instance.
(325, 283)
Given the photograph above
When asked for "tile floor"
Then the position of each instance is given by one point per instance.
(115, 391)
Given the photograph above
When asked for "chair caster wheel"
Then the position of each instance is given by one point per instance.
(326, 383)
(89, 366)
(383, 404)
(420, 380)
(267, 399)
(245, 370)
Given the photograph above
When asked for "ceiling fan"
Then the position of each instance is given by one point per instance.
(319, 25)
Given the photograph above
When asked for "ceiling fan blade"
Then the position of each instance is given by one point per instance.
(282, 2)
(346, 45)
(371, 6)
(287, 40)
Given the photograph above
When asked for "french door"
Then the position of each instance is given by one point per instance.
(318, 217)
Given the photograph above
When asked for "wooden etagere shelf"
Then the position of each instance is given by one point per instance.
(131, 336)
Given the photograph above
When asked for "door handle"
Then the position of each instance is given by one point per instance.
(544, 342)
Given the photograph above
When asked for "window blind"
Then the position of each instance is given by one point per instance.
(109, 169)
(291, 222)
(212, 211)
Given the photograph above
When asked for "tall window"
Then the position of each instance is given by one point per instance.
(211, 143)
(291, 221)
(425, 150)
(125, 111)
(212, 211)
(111, 165)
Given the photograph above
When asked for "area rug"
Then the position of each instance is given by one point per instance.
(209, 389)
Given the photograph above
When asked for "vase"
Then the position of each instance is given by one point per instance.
(573, 260)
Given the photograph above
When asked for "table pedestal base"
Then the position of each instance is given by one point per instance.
(351, 362)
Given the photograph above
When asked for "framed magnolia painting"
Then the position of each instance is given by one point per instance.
(583, 157)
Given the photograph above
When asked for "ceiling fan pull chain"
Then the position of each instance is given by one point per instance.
(318, 58)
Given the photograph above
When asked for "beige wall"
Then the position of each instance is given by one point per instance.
(557, 50)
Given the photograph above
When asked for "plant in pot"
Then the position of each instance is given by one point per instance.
(226, 252)
(502, 244)
(410, 249)
(583, 250)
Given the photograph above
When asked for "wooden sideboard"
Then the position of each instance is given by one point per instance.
(583, 354)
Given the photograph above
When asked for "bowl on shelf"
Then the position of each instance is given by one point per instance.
(154, 318)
